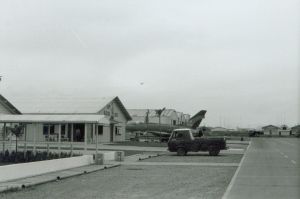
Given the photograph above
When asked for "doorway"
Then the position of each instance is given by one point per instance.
(111, 133)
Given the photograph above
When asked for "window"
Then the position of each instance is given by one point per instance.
(118, 131)
(284, 128)
(63, 130)
(107, 113)
(181, 134)
(100, 130)
(46, 129)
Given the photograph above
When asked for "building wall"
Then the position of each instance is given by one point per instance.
(180, 119)
(30, 128)
(113, 109)
(3, 110)
(271, 131)
(284, 132)
(296, 131)
(173, 117)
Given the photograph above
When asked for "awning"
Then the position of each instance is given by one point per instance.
(92, 119)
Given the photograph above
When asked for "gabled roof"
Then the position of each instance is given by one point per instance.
(66, 105)
(8, 105)
(270, 126)
(60, 105)
(124, 110)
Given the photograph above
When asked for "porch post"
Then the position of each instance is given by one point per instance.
(34, 138)
(59, 139)
(25, 140)
(10, 139)
(4, 136)
(96, 138)
(72, 138)
(49, 126)
(66, 131)
(85, 137)
(93, 133)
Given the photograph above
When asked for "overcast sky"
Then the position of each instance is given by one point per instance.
(237, 59)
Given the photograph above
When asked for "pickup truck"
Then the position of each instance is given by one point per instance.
(182, 141)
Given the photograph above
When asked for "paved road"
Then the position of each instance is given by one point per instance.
(271, 169)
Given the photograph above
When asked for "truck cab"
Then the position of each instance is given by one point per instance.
(182, 141)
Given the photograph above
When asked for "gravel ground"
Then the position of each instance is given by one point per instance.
(159, 182)
(197, 157)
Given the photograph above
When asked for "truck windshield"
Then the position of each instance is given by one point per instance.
(183, 134)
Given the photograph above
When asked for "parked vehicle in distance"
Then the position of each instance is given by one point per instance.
(182, 141)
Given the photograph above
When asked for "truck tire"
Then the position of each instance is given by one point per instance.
(213, 151)
(181, 152)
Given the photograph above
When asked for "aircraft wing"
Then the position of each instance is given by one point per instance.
(160, 134)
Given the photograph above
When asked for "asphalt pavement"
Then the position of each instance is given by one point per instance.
(269, 169)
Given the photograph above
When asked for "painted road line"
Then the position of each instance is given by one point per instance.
(293, 161)
(286, 156)
(225, 196)
(235, 149)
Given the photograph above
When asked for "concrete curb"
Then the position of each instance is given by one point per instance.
(51, 177)
(139, 157)
(229, 187)
(148, 157)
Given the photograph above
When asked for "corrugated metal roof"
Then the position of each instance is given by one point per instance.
(99, 119)
(187, 116)
(68, 105)
(152, 112)
(141, 112)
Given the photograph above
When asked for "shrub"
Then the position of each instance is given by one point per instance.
(29, 156)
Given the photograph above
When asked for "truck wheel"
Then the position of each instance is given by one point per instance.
(213, 151)
(181, 152)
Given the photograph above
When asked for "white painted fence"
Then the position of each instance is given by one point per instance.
(22, 170)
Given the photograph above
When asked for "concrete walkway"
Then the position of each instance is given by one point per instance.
(48, 177)
(54, 176)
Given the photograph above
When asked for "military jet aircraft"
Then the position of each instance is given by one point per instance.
(164, 131)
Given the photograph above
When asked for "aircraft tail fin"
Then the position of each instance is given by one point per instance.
(195, 121)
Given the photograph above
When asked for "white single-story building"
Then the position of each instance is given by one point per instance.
(70, 119)
(270, 130)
